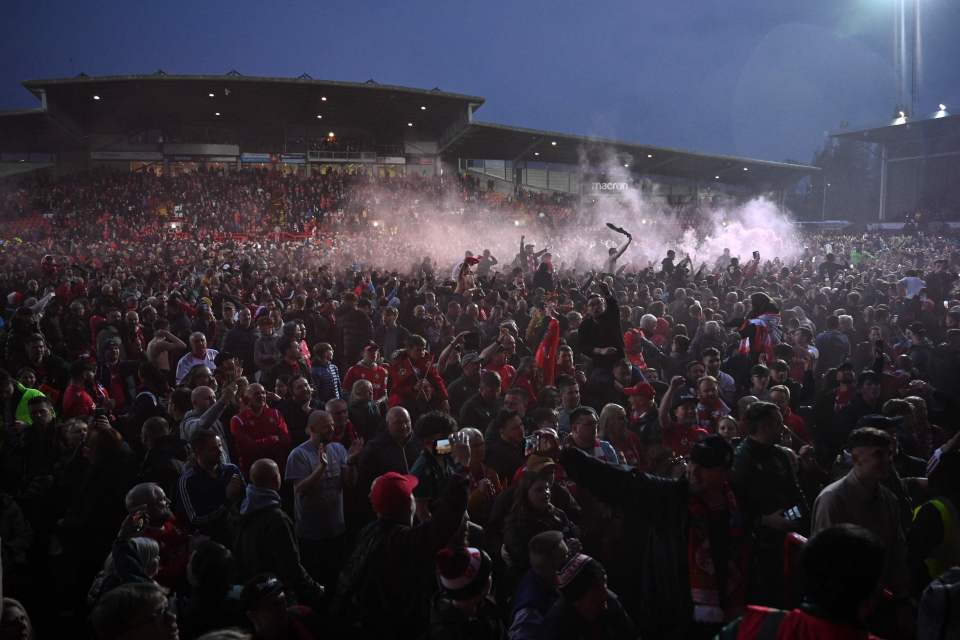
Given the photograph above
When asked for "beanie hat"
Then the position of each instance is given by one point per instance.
(578, 575)
(463, 572)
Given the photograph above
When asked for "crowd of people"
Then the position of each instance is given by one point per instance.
(233, 437)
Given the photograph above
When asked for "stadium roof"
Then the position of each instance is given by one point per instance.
(250, 109)
(907, 132)
(34, 130)
(481, 140)
(102, 104)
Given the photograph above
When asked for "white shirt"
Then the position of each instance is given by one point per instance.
(189, 361)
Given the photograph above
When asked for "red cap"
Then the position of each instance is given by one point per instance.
(641, 389)
(390, 495)
(472, 260)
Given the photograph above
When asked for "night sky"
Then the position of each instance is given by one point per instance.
(760, 78)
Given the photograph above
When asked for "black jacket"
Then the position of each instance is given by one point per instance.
(447, 622)
(656, 518)
(164, 463)
(266, 543)
(383, 454)
(477, 412)
(503, 457)
(563, 622)
(604, 331)
(385, 586)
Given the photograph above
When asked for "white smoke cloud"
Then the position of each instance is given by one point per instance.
(443, 228)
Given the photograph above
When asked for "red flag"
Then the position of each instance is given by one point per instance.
(546, 356)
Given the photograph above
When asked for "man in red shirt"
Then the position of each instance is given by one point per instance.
(368, 369)
(680, 435)
(496, 358)
(259, 431)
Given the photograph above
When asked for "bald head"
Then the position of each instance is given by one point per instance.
(142, 494)
(265, 474)
(202, 398)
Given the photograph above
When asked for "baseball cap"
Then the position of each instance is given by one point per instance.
(390, 494)
(685, 397)
(641, 389)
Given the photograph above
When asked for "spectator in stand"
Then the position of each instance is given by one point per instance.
(583, 435)
(767, 490)
(165, 455)
(504, 444)
(394, 449)
(259, 431)
(205, 414)
(199, 354)
(162, 345)
(587, 608)
(396, 556)
(859, 498)
(209, 489)
(325, 374)
(368, 368)
(612, 428)
(265, 352)
(242, 339)
(690, 513)
(138, 610)
(266, 538)
(416, 384)
(291, 363)
(318, 471)
(842, 567)
(537, 591)
(463, 607)
(480, 409)
(680, 435)
(354, 327)
(833, 346)
(297, 409)
(390, 335)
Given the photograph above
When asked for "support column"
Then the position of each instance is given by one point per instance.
(883, 182)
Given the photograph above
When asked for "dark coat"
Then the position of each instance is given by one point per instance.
(267, 543)
(381, 455)
(655, 517)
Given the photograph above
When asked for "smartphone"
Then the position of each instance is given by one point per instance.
(793, 513)
(443, 447)
(756, 255)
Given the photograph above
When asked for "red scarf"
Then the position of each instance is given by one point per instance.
(709, 605)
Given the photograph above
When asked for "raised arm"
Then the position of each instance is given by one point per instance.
(624, 248)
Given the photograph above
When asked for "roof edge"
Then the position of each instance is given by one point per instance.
(647, 147)
(35, 85)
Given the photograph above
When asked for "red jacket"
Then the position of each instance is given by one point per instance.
(405, 373)
(796, 625)
(260, 436)
(375, 375)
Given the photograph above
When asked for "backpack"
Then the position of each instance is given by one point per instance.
(939, 614)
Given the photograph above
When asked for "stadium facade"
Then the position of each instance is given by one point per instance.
(174, 123)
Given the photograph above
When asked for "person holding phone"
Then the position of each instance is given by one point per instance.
(435, 464)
